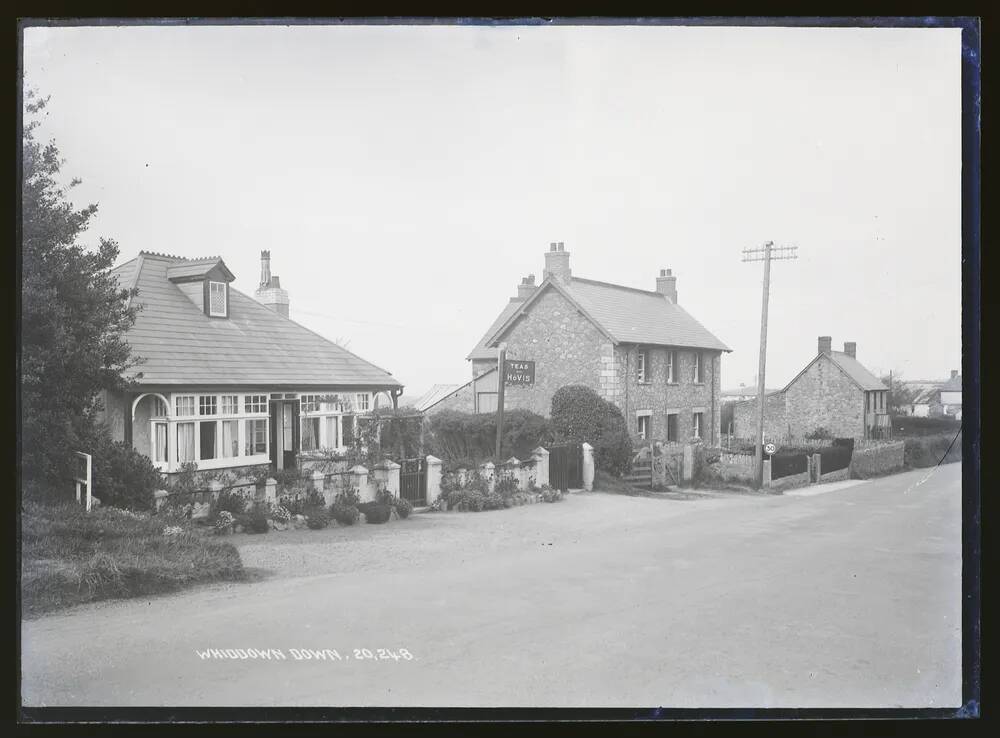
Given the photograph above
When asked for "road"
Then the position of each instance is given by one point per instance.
(849, 598)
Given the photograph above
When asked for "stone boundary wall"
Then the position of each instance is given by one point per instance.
(875, 460)
(835, 476)
(790, 482)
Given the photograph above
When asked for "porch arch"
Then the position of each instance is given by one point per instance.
(140, 398)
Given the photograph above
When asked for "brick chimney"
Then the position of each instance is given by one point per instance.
(825, 344)
(666, 284)
(527, 287)
(851, 349)
(269, 292)
(557, 263)
(954, 373)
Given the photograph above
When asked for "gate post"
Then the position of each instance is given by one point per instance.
(359, 478)
(541, 457)
(433, 479)
(487, 472)
(588, 466)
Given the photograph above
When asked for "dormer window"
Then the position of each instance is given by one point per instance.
(218, 299)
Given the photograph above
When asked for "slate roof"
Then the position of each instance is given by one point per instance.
(927, 396)
(625, 314)
(253, 346)
(853, 368)
(953, 384)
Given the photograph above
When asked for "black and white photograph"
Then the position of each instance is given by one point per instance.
(468, 363)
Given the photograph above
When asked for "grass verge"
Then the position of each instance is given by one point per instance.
(69, 557)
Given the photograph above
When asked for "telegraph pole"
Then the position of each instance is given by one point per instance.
(765, 254)
(501, 375)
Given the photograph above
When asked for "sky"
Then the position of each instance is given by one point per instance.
(405, 178)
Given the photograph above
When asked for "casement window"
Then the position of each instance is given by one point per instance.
(642, 367)
(310, 433)
(207, 437)
(185, 442)
(230, 442)
(309, 403)
(332, 432)
(671, 367)
(256, 437)
(160, 450)
(672, 428)
(159, 409)
(230, 404)
(362, 402)
(184, 406)
(697, 424)
(643, 423)
(698, 377)
(217, 295)
(254, 404)
(208, 405)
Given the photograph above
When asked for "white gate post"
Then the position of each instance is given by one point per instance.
(588, 466)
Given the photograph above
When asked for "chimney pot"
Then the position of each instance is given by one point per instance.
(269, 292)
(557, 263)
(851, 349)
(825, 344)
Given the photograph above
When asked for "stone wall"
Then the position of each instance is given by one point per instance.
(745, 417)
(873, 460)
(658, 398)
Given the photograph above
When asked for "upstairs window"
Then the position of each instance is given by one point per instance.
(310, 403)
(255, 404)
(642, 367)
(698, 373)
(230, 404)
(671, 367)
(217, 294)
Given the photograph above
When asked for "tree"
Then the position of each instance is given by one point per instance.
(900, 395)
(73, 317)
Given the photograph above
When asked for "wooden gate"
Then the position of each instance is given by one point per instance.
(566, 466)
(413, 481)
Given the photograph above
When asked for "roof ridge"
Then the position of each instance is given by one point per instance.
(652, 293)
(180, 258)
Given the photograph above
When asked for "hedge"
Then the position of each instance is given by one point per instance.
(923, 451)
(470, 438)
(580, 414)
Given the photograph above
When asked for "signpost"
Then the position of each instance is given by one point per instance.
(516, 373)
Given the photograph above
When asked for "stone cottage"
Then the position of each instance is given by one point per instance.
(638, 348)
(834, 392)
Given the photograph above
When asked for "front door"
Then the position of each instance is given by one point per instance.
(284, 433)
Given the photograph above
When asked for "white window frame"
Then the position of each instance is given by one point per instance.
(642, 366)
(697, 424)
(366, 405)
(234, 405)
(254, 403)
(643, 419)
(698, 376)
(177, 406)
(213, 405)
(225, 299)
(671, 367)
(240, 414)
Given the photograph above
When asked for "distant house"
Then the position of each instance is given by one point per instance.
(834, 392)
(637, 348)
(743, 392)
(229, 380)
(941, 398)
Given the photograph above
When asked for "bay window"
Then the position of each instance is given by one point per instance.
(185, 442)
(184, 405)
(206, 433)
(256, 437)
(160, 442)
(230, 439)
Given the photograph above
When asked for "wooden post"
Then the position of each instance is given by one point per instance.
(759, 453)
(501, 360)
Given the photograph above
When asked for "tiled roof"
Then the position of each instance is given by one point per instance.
(626, 314)
(253, 346)
(435, 394)
(927, 396)
(857, 371)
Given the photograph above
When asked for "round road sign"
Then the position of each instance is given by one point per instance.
(770, 448)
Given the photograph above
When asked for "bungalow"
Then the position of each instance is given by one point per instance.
(834, 392)
(941, 398)
(230, 381)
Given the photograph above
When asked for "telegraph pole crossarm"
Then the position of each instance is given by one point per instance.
(767, 253)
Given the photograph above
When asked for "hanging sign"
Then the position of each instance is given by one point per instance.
(518, 372)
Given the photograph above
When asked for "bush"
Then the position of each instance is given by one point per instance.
(349, 497)
(121, 476)
(506, 485)
(944, 448)
(229, 502)
(473, 501)
(280, 514)
(403, 508)
(224, 522)
(317, 518)
(820, 434)
(345, 514)
(906, 426)
(493, 501)
(256, 521)
(469, 439)
(580, 414)
(376, 513)
(551, 495)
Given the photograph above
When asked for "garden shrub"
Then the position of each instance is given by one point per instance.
(551, 495)
(224, 522)
(473, 501)
(493, 501)
(317, 518)
(580, 414)
(345, 514)
(349, 497)
(468, 439)
(256, 521)
(230, 502)
(377, 513)
(403, 508)
(121, 476)
(280, 514)
(506, 485)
